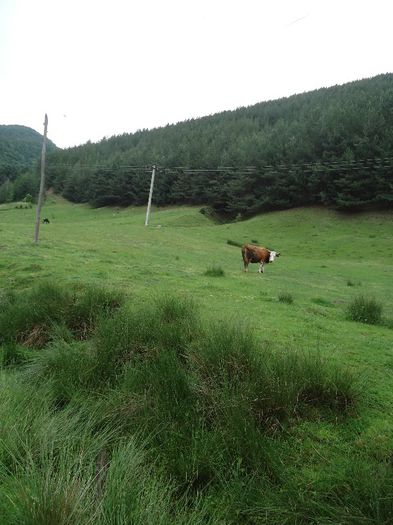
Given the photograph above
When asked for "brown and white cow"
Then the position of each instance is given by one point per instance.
(257, 254)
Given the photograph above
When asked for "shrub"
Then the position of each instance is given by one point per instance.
(214, 271)
(364, 310)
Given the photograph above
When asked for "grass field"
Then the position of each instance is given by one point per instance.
(323, 466)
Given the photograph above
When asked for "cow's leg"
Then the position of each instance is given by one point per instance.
(261, 268)
(245, 261)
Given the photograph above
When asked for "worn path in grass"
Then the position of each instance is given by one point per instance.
(327, 258)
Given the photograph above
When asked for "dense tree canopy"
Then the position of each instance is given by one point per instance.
(332, 146)
(20, 151)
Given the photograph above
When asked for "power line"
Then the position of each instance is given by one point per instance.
(370, 163)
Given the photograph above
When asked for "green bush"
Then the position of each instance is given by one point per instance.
(365, 310)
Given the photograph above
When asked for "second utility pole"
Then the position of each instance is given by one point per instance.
(150, 196)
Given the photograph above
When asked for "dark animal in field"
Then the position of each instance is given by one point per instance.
(46, 221)
(257, 254)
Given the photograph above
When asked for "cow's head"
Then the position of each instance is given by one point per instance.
(273, 255)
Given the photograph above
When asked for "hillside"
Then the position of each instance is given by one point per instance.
(20, 147)
(138, 389)
(332, 146)
(20, 150)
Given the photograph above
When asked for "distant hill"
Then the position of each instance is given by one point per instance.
(332, 146)
(20, 149)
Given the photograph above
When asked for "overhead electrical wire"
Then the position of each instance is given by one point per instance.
(354, 164)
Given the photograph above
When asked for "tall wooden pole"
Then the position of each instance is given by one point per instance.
(153, 173)
(42, 183)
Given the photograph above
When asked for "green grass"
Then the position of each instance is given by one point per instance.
(185, 399)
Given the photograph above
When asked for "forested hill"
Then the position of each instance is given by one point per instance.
(20, 148)
(20, 152)
(331, 146)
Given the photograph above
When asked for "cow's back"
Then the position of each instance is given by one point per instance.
(255, 254)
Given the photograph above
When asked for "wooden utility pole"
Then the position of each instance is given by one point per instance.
(153, 173)
(42, 183)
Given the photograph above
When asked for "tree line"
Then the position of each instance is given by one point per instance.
(332, 146)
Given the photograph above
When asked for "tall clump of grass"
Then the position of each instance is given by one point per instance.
(55, 490)
(274, 386)
(214, 271)
(136, 332)
(364, 310)
(285, 297)
(29, 318)
(137, 491)
(49, 460)
(133, 492)
(66, 366)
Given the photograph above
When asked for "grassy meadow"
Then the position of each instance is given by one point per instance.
(147, 379)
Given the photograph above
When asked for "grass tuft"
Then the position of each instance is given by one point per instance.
(285, 297)
(364, 310)
(30, 317)
(214, 271)
(139, 332)
(12, 354)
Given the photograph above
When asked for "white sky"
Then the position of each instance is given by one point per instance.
(101, 68)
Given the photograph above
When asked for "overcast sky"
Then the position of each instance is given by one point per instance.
(102, 68)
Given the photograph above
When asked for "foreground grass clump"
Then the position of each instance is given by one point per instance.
(29, 318)
(365, 310)
(157, 416)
